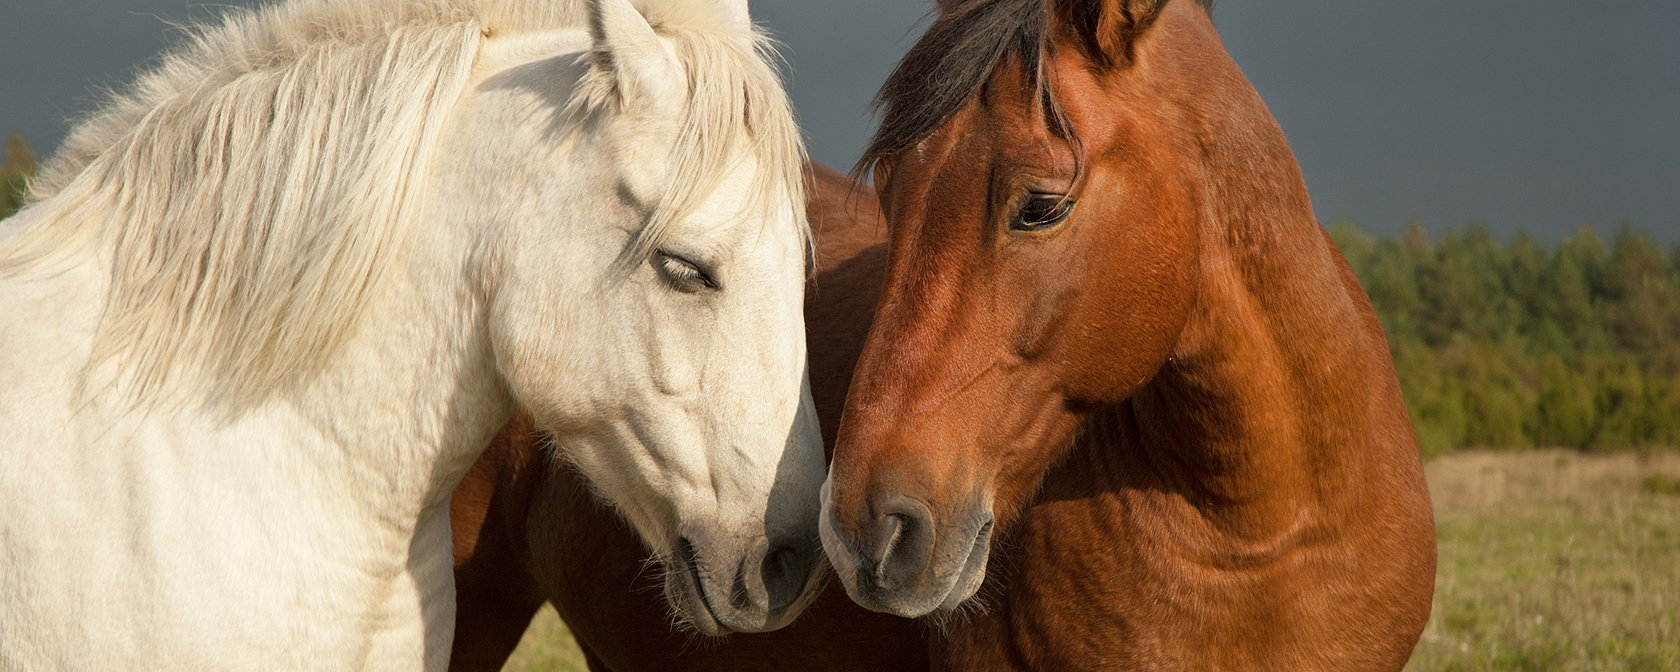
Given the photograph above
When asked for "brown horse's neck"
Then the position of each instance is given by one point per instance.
(1257, 416)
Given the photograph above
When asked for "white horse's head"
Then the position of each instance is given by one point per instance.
(643, 252)
(378, 224)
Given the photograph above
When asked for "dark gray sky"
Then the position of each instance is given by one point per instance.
(1536, 113)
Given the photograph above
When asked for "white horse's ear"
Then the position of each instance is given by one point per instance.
(729, 13)
(628, 52)
(726, 14)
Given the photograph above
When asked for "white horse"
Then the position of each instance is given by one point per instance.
(267, 307)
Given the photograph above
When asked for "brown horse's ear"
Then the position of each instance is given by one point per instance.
(1107, 29)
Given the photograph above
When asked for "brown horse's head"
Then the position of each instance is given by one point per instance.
(1037, 162)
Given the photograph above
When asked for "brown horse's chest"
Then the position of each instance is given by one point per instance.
(1111, 568)
(1130, 601)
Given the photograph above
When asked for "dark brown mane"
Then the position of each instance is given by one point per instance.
(956, 56)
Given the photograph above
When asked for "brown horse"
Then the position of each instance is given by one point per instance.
(527, 529)
(1119, 367)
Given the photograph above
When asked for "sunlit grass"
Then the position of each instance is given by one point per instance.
(1553, 560)
(546, 647)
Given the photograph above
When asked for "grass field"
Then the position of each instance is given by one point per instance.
(1553, 560)
(1549, 560)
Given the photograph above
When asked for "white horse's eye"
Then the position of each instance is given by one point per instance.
(682, 274)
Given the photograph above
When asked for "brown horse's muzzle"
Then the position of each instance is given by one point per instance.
(902, 557)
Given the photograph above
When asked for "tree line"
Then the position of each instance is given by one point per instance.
(1524, 344)
(1496, 344)
(19, 166)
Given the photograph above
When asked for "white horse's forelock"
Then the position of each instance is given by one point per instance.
(257, 188)
(736, 102)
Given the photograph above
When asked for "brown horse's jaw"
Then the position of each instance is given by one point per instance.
(899, 564)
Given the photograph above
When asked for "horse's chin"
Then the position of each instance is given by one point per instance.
(702, 620)
(973, 573)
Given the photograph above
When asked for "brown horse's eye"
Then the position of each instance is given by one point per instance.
(1040, 212)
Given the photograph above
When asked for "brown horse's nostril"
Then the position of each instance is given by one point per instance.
(888, 527)
(899, 544)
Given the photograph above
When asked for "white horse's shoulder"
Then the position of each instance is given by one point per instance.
(242, 553)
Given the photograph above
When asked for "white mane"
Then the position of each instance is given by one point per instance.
(257, 188)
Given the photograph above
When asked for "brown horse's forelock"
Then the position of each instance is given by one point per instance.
(957, 56)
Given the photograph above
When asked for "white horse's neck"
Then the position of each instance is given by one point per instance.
(324, 509)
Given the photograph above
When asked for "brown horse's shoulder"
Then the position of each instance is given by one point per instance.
(496, 594)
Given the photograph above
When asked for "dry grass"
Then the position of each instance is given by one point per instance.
(1555, 560)
(1549, 560)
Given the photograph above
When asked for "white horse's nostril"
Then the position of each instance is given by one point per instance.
(784, 571)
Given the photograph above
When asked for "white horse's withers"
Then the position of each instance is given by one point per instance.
(265, 309)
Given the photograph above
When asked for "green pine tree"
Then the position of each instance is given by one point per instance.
(19, 166)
